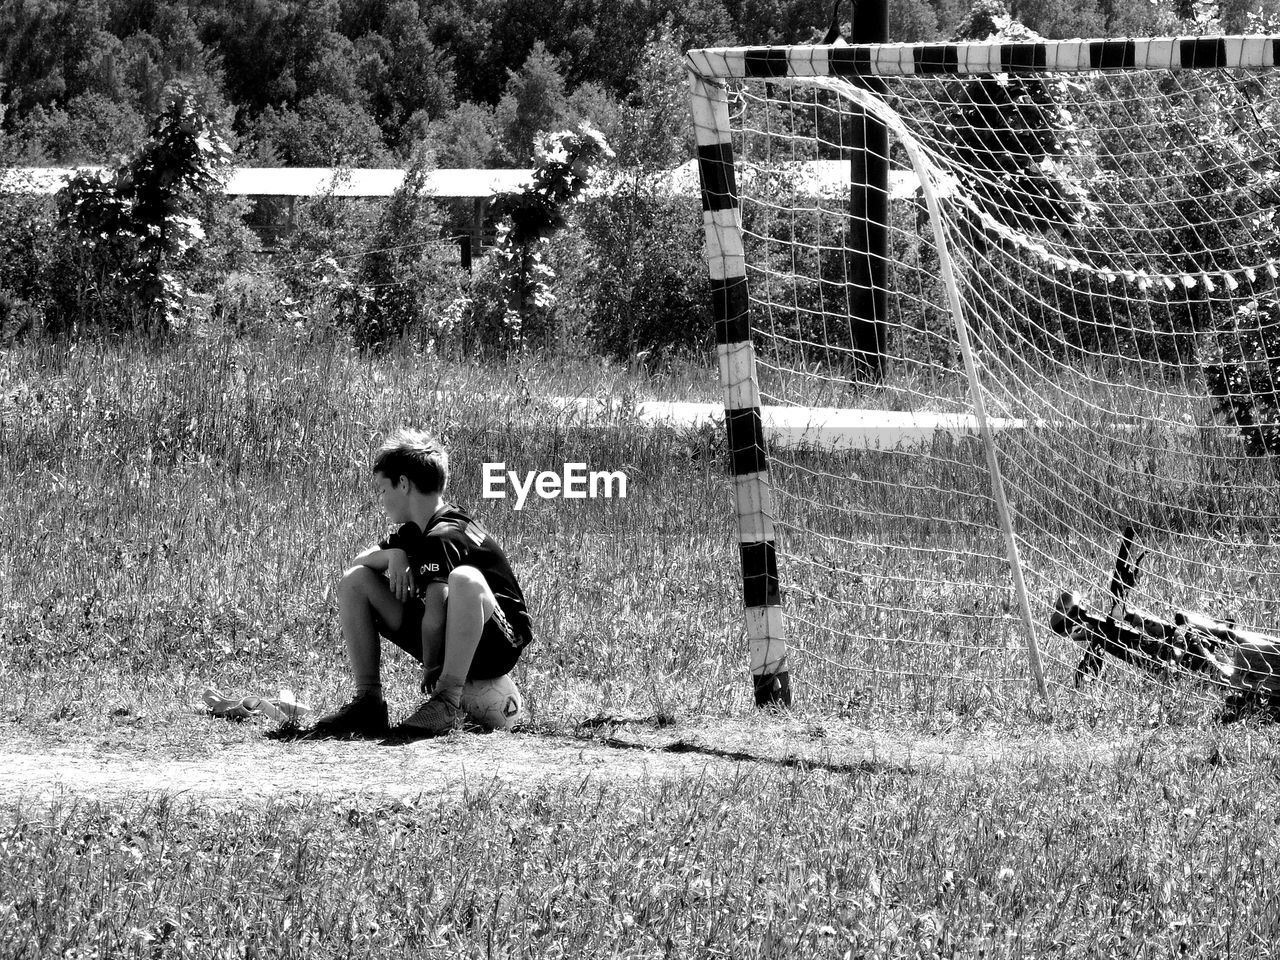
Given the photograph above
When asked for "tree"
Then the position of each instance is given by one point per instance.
(403, 281)
(464, 29)
(92, 129)
(131, 229)
(256, 44)
(1012, 130)
(533, 101)
(512, 299)
(778, 21)
(655, 130)
(639, 277)
(420, 76)
(465, 137)
(913, 21)
(1058, 20)
(332, 70)
(322, 132)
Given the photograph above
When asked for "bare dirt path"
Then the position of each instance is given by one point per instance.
(236, 764)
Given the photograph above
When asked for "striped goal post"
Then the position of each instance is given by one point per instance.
(1082, 274)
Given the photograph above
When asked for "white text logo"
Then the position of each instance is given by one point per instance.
(575, 483)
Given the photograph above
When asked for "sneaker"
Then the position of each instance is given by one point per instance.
(436, 717)
(365, 716)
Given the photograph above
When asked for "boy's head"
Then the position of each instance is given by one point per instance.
(416, 456)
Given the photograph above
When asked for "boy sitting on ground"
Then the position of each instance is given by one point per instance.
(439, 588)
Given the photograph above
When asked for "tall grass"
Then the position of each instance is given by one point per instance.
(185, 510)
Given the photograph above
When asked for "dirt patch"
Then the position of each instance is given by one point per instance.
(237, 764)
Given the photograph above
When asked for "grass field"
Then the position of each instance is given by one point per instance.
(178, 515)
(1151, 853)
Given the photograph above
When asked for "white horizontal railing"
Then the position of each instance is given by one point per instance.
(817, 177)
(302, 181)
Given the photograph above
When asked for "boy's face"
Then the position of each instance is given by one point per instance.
(394, 496)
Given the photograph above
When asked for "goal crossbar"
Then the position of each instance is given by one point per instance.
(984, 57)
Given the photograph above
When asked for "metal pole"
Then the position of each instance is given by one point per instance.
(980, 411)
(868, 240)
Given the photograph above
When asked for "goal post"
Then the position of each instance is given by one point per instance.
(748, 460)
(1084, 328)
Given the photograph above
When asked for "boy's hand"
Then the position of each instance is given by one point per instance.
(399, 575)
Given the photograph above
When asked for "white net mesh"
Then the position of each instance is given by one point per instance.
(1115, 243)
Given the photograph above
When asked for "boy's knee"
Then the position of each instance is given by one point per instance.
(467, 584)
(467, 580)
(356, 581)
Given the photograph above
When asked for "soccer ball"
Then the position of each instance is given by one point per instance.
(494, 704)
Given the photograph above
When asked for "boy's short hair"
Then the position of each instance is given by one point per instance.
(417, 455)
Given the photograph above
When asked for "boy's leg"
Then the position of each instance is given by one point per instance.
(471, 604)
(364, 600)
(434, 599)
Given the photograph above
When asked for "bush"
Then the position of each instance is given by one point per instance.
(91, 128)
(512, 299)
(27, 243)
(248, 302)
(324, 131)
(406, 279)
(1242, 369)
(127, 236)
(317, 258)
(638, 283)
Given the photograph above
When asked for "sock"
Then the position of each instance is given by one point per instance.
(450, 686)
(369, 688)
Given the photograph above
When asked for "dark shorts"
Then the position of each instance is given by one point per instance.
(496, 654)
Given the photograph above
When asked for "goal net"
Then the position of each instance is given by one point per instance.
(1069, 388)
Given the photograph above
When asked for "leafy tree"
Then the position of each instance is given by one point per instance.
(131, 229)
(778, 21)
(404, 77)
(419, 75)
(634, 281)
(950, 14)
(31, 62)
(183, 53)
(254, 39)
(90, 130)
(655, 129)
(912, 21)
(324, 131)
(512, 29)
(1060, 20)
(331, 69)
(1137, 18)
(463, 28)
(465, 137)
(403, 280)
(593, 105)
(511, 300)
(1012, 130)
(533, 101)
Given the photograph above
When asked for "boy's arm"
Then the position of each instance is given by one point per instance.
(394, 562)
(377, 558)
